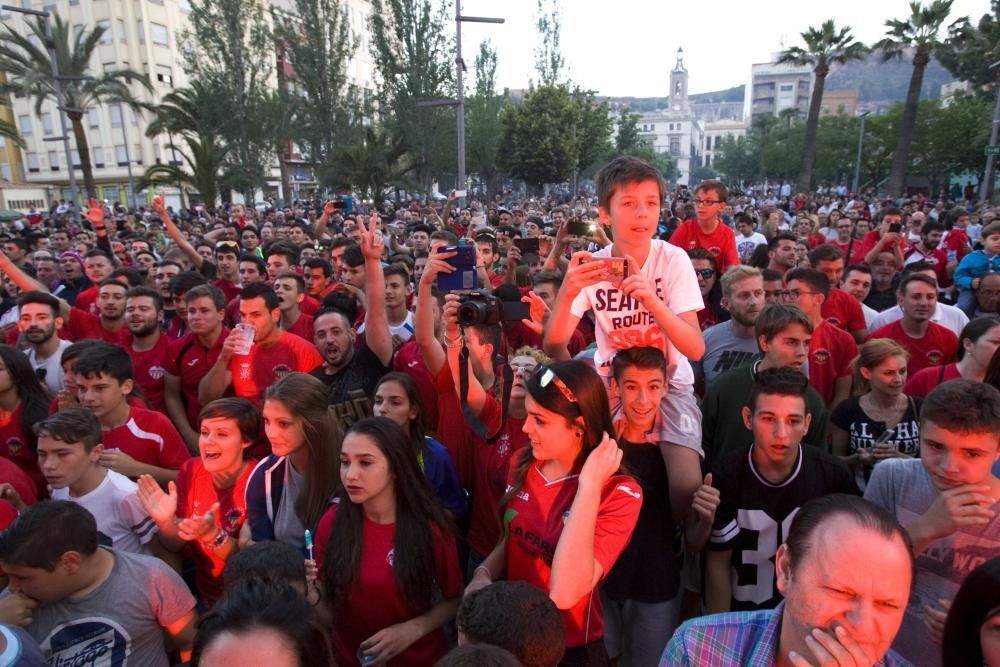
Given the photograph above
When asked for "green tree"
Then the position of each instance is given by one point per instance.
(229, 47)
(280, 114)
(950, 138)
(592, 130)
(920, 32)
(537, 142)
(738, 159)
(28, 68)
(836, 148)
(413, 62)
(549, 62)
(703, 173)
(204, 159)
(9, 132)
(369, 166)
(483, 120)
(317, 41)
(628, 138)
(971, 49)
(824, 46)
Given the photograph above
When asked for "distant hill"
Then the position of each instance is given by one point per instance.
(884, 83)
(734, 94)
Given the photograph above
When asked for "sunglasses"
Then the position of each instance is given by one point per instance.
(548, 377)
(705, 273)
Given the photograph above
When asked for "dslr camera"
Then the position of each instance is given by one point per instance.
(481, 308)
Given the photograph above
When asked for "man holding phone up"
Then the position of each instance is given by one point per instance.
(887, 238)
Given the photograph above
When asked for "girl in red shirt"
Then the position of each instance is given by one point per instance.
(386, 552)
(204, 510)
(23, 402)
(569, 511)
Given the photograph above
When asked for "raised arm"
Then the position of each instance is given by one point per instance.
(430, 347)
(29, 284)
(377, 336)
(175, 234)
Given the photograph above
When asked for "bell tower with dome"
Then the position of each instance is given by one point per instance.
(679, 84)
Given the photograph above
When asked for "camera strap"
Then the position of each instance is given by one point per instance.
(471, 418)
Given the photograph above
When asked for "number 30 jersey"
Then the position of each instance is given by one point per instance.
(754, 516)
(622, 322)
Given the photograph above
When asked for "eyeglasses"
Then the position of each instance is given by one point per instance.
(795, 293)
(706, 202)
(705, 273)
(548, 377)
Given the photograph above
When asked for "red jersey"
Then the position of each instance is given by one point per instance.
(922, 382)
(149, 438)
(721, 242)
(83, 325)
(707, 318)
(309, 306)
(375, 601)
(831, 352)
(178, 329)
(955, 243)
(857, 251)
(19, 449)
(937, 347)
(195, 496)
(149, 368)
(230, 290)
(519, 335)
(190, 361)
(253, 373)
(938, 258)
(535, 518)
(843, 311)
(232, 314)
(26, 487)
(873, 237)
(453, 431)
(87, 300)
(409, 360)
(303, 328)
(491, 463)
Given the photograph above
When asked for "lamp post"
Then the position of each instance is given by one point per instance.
(986, 187)
(459, 101)
(57, 80)
(857, 162)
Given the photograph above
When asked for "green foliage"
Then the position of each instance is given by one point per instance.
(229, 48)
(971, 49)
(592, 136)
(29, 73)
(628, 138)
(413, 61)
(628, 141)
(9, 132)
(204, 159)
(483, 132)
(549, 62)
(317, 42)
(368, 166)
(702, 173)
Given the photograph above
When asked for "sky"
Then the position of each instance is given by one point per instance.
(628, 47)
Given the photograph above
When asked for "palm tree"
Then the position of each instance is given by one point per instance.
(367, 166)
(825, 46)
(279, 115)
(9, 132)
(30, 73)
(918, 31)
(204, 159)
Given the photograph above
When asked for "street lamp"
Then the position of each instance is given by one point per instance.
(459, 101)
(857, 162)
(57, 80)
(986, 187)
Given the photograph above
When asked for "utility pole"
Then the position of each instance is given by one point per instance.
(459, 101)
(986, 187)
(57, 80)
(857, 162)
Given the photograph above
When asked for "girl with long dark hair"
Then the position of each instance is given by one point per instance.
(569, 511)
(386, 554)
(289, 490)
(398, 398)
(23, 402)
(972, 631)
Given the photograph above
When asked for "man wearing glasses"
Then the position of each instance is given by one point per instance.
(707, 230)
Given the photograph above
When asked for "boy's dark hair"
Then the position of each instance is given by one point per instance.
(781, 381)
(778, 238)
(270, 561)
(889, 210)
(770, 275)
(353, 257)
(701, 253)
(74, 350)
(645, 358)
(396, 270)
(776, 317)
(105, 359)
(479, 655)
(300, 282)
(811, 277)
(860, 268)
(516, 616)
(288, 250)
(141, 291)
(72, 425)
(963, 406)
(715, 186)
(825, 253)
(255, 259)
(113, 281)
(863, 513)
(552, 277)
(96, 252)
(931, 226)
(130, 274)
(319, 263)
(43, 298)
(915, 278)
(622, 171)
(185, 281)
(490, 238)
(990, 229)
(205, 290)
(260, 291)
(341, 242)
(240, 410)
(446, 235)
(45, 531)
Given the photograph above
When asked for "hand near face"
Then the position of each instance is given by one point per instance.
(602, 462)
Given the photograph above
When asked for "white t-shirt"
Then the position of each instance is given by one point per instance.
(404, 330)
(870, 315)
(53, 366)
(950, 317)
(119, 513)
(622, 322)
(745, 245)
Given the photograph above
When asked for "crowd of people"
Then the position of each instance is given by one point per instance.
(650, 426)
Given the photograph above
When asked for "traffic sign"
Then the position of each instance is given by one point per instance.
(993, 150)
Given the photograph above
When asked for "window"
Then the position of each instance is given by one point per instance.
(107, 37)
(53, 160)
(164, 76)
(137, 154)
(156, 153)
(116, 115)
(786, 88)
(32, 160)
(121, 155)
(675, 146)
(5, 172)
(97, 156)
(142, 32)
(24, 124)
(93, 118)
(47, 123)
(159, 34)
(718, 142)
(122, 37)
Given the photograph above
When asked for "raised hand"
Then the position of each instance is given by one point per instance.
(636, 285)
(160, 506)
(372, 243)
(706, 501)
(158, 205)
(538, 310)
(583, 273)
(95, 213)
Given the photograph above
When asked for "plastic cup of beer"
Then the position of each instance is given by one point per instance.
(246, 340)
